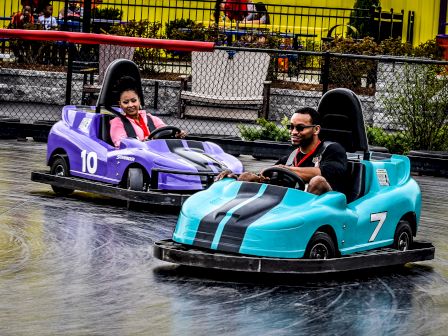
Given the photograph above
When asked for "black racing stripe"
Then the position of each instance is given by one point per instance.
(195, 144)
(177, 147)
(199, 145)
(208, 225)
(173, 144)
(235, 229)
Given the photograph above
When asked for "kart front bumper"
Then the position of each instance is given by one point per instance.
(170, 251)
(155, 197)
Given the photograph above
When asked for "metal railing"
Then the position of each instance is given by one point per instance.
(303, 25)
(297, 78)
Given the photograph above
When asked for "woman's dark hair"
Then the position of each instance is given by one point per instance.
(125, 83)
(261, 8)
(262, 11)
(315, 116)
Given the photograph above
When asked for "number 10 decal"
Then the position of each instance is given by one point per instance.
(89, 162)
(379, 217)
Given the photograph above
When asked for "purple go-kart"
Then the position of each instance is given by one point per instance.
(163, 170)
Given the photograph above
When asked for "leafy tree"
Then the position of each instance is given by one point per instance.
(360, 17)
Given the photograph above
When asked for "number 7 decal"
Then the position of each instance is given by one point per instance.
(379, 217)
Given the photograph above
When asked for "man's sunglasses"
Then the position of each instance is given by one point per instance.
(299, 128)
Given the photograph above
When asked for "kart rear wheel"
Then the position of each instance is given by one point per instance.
(321, 246)
(403, 236)
(59, 167)
(135, 181)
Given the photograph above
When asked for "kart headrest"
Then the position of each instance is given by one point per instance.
(342, 120)
(114, 72)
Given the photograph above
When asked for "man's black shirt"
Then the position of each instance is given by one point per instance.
(331, 158)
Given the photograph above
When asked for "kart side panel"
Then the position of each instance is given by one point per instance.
(257, 219)
(390, 196)
(76, 135)
(263, 220)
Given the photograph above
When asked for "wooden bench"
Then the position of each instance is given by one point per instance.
(226, 85)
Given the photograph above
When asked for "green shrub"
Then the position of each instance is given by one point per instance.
(396, 142)
(185, 29)
(359, 10)
(108, 13)
(420, 106)
(429, 49)
(348, 73)
(266, 130)
(395, 47)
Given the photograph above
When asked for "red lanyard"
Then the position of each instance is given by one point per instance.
(140, 122)
(307, 155)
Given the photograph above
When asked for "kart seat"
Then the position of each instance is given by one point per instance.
(342, 121)
(104, 131)
(356, 176)
(108, 95)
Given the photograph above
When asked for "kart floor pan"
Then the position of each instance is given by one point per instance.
(170, 251)
(153, 197)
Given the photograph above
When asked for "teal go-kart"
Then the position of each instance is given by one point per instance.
(256, 227)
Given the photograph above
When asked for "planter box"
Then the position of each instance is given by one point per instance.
(429, 163)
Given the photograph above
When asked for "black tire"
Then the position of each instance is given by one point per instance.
(59, 167)
(403, 236)
(321, 246)
(41, 129)
(134, 181)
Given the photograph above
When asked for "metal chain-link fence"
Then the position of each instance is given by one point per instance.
(214, 93)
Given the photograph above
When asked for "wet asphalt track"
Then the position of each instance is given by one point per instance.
(83, 265)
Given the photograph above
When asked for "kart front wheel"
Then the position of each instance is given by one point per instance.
(135, 181)
(403, 236)
(59, 167)
(321, 246)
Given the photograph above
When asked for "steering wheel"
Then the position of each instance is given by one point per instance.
(166, 132)
(284, 177)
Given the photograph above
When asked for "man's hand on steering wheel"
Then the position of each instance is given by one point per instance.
(281, 175)
(225, 173)
(245, 176)
(181, 134)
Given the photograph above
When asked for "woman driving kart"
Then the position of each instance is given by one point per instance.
(322, 165)
(129, 102)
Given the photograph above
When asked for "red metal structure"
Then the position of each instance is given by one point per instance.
(88, 38)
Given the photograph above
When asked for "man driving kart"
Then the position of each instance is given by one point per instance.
(322, 165)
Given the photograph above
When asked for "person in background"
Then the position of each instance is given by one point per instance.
(234, 10)
(37, 6)
(47, 20)
(22, 19)
(322, 165)
(258, 14)
(73, 11)
(129, 102)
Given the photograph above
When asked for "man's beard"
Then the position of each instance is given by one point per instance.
(303, 143)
